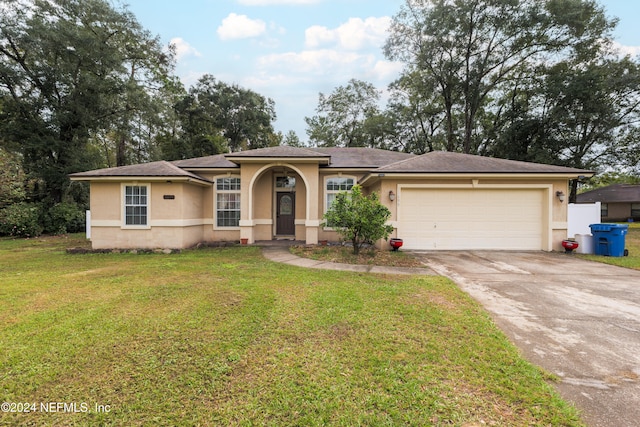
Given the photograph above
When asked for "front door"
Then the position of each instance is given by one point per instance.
(286, 214)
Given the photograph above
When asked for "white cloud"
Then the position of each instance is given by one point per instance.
(355, 34)
(274, 2)
(183, 49)
(329, 65)
(313, 62)
(240, 27)
(627, 50)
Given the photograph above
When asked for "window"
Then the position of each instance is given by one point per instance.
(604, 210)
(635, 210)
(136, 205)
(228, 202)
(335, 186)
(288, 182)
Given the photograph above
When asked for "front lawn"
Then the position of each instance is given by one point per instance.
(632, 243)
(223, 337)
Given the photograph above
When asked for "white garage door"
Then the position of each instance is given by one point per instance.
(471, 219)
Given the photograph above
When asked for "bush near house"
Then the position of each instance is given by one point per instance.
(21, 220)
(358, 218)
(33, 219)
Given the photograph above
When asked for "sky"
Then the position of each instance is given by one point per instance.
(293, 50)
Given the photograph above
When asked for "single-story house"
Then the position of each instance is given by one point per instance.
(618, 202)
(439, 200)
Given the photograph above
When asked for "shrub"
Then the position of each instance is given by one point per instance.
(358, 218)
(65, 217)
(21, 220)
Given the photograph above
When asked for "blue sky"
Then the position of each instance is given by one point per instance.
(291, 50)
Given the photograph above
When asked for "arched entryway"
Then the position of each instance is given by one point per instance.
(280, 203)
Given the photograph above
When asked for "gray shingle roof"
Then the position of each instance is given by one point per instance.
(361, 157)
(213, 162)
(279, 151)
(617, 193)
(448, 162)
(368, 159)
(153, 169)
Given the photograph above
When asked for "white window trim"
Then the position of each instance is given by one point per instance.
(123, 193)
(326, 192)
(215, 201)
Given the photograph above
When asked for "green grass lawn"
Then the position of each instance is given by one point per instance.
(632, 243)
(223, 337)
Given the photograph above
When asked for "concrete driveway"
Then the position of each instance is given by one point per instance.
(577, 319)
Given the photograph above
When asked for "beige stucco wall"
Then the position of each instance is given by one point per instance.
(173, 223)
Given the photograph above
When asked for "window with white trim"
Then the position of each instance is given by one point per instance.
(334, 186)
(228, 202)
(136, 205)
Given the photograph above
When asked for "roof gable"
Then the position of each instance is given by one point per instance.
(161, 168)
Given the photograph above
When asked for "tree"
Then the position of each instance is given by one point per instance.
(609, 178)
(468, 51)
(342, 115)
(70, 70)
(12, 179)
(358, 218)
(292, 140)
(582, 112)
(242, 116)
(416, 117)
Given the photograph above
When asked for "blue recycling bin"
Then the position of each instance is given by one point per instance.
(609, 239)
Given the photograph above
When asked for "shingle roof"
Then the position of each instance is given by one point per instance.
(361, 157)
(279, 151)
(448, 162)
(213, 162)
(153, 169)
(617, 193)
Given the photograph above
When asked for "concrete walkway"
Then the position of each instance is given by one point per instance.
(278, 251)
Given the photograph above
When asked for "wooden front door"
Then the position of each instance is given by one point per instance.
(286, 214)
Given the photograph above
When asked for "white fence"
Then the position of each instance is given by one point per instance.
(580, 216)
(88, 226)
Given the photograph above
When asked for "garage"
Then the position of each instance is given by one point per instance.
(457, 219)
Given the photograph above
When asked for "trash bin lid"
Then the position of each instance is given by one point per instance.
(601, 227)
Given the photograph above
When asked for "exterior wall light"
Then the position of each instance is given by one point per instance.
(560, 196)
(392, 195)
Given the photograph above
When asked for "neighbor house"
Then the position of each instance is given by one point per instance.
(618, 202)
(439, 200)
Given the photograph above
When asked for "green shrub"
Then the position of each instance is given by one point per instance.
(21, 220)
(65, 217)
(358, 218)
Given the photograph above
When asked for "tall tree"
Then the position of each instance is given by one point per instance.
(70, 69)
(468, 50)
(341, 116)
(580, 113)
(243, 117)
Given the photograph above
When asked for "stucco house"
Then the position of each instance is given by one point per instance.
(618, 202)
(439, 200)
